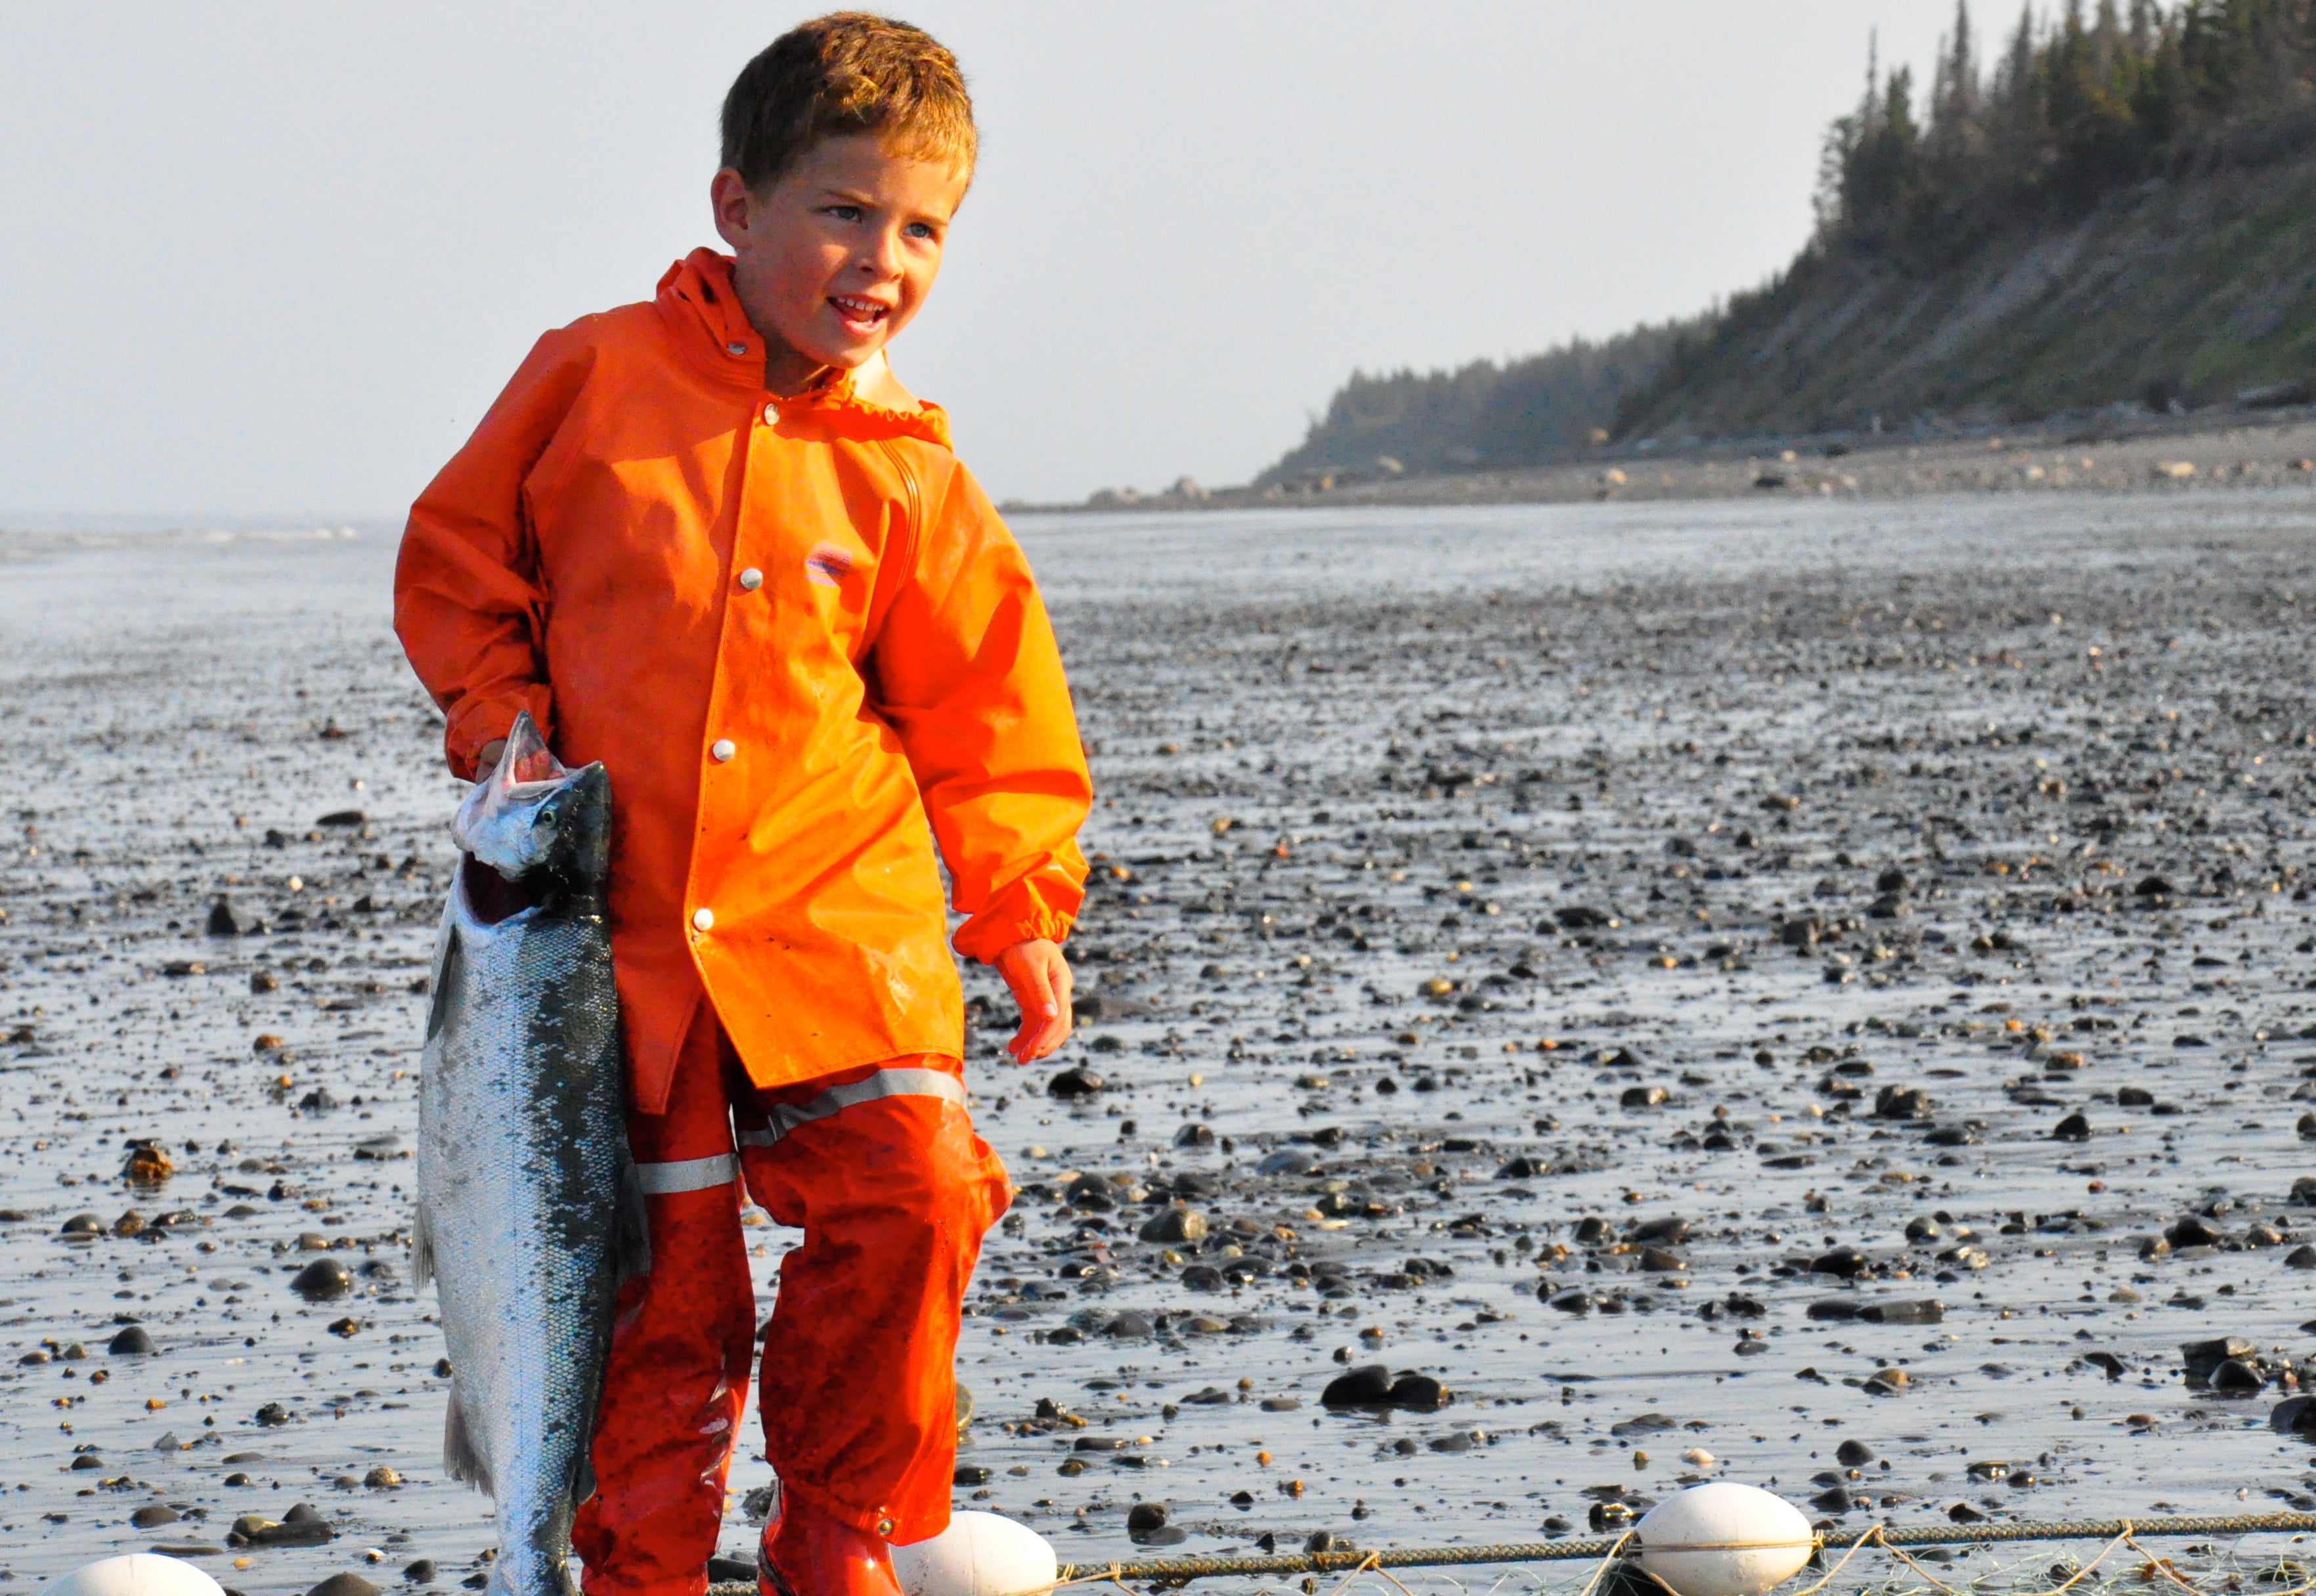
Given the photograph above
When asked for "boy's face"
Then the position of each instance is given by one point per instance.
(836, 256)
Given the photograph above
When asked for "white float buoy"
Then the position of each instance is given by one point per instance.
(980, 1554)
(139, 1573)
(1723, 1539)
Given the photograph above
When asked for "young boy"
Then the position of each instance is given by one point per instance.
(713, 543)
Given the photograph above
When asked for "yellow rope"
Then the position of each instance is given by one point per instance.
(1872, 1532)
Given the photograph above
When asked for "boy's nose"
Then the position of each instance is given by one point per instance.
(884, 258)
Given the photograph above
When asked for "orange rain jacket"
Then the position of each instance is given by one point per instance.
(806, 649)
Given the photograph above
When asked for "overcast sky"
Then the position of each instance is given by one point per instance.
(276, 258)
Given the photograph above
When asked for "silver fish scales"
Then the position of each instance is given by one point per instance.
(530, 1216)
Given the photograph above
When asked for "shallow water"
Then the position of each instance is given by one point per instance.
(1430, 733)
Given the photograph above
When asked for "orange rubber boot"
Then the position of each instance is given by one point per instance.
(810, 1553)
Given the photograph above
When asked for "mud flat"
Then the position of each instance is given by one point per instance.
(1701, 983)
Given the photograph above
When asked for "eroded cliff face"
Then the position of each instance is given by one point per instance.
(2192, 288)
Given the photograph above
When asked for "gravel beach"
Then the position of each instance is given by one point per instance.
(1794, 988)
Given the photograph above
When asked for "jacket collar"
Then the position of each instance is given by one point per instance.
(701, 306)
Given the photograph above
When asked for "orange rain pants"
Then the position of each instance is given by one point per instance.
(881, 1169)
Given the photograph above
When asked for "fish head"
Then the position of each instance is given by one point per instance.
(535, 820)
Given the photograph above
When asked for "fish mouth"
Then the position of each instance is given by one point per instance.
(490, 897)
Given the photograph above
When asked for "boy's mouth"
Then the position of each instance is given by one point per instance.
(862, 317)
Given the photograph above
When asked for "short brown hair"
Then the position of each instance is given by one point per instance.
(848, 72)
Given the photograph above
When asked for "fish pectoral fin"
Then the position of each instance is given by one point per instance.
(460, 1457)
(631, 1251)
(422, 1248)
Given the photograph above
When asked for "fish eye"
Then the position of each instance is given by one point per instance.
(548, 819)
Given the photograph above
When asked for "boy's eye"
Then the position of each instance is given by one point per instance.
(845, 213)
(919, 230)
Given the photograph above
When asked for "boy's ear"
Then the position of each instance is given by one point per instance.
(729, 200)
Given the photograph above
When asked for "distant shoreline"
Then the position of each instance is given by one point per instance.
(2231, 449)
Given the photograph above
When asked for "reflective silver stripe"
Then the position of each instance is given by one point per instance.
(687, 1174)
(885, 1083)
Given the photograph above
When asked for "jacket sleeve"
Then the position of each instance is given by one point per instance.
(469, 602)
(965, 672)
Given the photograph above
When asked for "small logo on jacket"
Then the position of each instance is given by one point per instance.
(828, 565)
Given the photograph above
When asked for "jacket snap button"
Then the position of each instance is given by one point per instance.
(884, 1526)
(723, 748)
(772, 415)
(751, 580)
(736, 349)
(703, 919)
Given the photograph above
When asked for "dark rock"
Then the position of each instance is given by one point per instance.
(1853, 1454)
(82, 1224)
(1847, 1261)
(2191, 1232)
(422, 1571)
(152, 1515)
(1919, 1311)
(1146, 1516)
(726, 1570)
(2236, 1378)
(1834, 1308)
(1642, 1096)
(971, 1473)
(1367, 1386)
(1665, 1232)
(2295, 1416)
(2073, 1128)
(221, 922)
(131, 1341)
(1075, 1083)
(343, 1584)
(1419, 1390)
(1175, 1226)
(2201, 1358)
(323, 1279)
(1192, 1134)
(1902, 1102)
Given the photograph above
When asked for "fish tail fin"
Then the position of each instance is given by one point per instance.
(631, 1249)
(422, 1248)
(460, 1457)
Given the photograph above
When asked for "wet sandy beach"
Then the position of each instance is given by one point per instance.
(1703, 982)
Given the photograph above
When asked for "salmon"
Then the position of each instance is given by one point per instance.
(530, 1214)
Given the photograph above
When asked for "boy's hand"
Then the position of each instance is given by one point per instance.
(489, 759)
(1040, 979)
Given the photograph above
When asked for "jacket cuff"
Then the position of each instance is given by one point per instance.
(1013, 916)
(478, 721)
